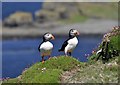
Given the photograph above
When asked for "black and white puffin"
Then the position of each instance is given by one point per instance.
(69, 45)
(45, 48)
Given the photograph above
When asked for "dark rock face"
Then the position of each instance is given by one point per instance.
(18, 19)
(10, 23)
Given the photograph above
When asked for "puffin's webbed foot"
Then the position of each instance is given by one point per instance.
(66, 55)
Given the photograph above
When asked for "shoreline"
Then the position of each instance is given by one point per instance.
(40, 36)
(90, 27)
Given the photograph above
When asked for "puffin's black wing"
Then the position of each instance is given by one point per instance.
(64, 45)
(39, 46)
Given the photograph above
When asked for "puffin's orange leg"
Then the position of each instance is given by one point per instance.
(49, 57)
(43, 59)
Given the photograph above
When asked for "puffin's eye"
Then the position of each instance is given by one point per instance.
(72, 30)
(47, 34)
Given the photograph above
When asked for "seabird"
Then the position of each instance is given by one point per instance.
(69, 45)
(45, 48)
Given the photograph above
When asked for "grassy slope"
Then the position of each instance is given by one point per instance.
(89, 72)
(54, 67)
(102, 10)
(99, 10)
(97, 72)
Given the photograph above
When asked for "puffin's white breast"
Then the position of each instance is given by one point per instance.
(46, 46)
(71, 44)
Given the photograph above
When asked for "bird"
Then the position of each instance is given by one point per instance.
(45, 48)
(69, 45)
(99, 51)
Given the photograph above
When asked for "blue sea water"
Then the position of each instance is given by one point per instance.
(19, 54)
(11, 7)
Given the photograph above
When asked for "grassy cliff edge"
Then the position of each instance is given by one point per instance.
(52, 71)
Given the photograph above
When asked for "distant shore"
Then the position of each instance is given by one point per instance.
(90, 27)
(40, 36)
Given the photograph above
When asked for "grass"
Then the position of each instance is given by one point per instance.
(74, 19)
(102, 10)
(98, 10)
(48, 72)
(114, 41)
(89, 72)
(97, 72)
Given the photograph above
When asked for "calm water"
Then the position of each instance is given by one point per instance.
(19, 54)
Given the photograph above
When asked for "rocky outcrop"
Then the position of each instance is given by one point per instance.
(55, 11)
(18, 19)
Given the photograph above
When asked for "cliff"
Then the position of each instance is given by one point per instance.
(71, 12)
(69, 70)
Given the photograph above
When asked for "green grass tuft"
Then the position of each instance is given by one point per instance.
(75, 19)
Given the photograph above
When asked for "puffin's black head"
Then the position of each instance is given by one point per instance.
(48, 36)
(73, 33)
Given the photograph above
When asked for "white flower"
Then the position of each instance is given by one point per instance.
(101, 75)
(115, 63)
(43, 69)
(109, 64)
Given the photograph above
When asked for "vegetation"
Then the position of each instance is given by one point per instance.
(94, 10)
(115, 44)
(100, 10)
(96, 72)
(74, 19)
(49, 72)
(77, 12)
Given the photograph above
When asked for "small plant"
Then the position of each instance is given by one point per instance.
(109, 46)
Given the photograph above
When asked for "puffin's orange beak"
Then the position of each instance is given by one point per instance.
(53, 37)
(77, 33)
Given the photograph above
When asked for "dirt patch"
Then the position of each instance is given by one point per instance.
(67, 76)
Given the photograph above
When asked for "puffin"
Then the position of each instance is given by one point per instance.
(45, 48)
(69, 45)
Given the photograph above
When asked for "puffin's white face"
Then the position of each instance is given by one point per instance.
(48, 36)
(73, 32)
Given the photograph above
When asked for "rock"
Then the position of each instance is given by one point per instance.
(55, 11)
(45, 16)
(18, 19)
